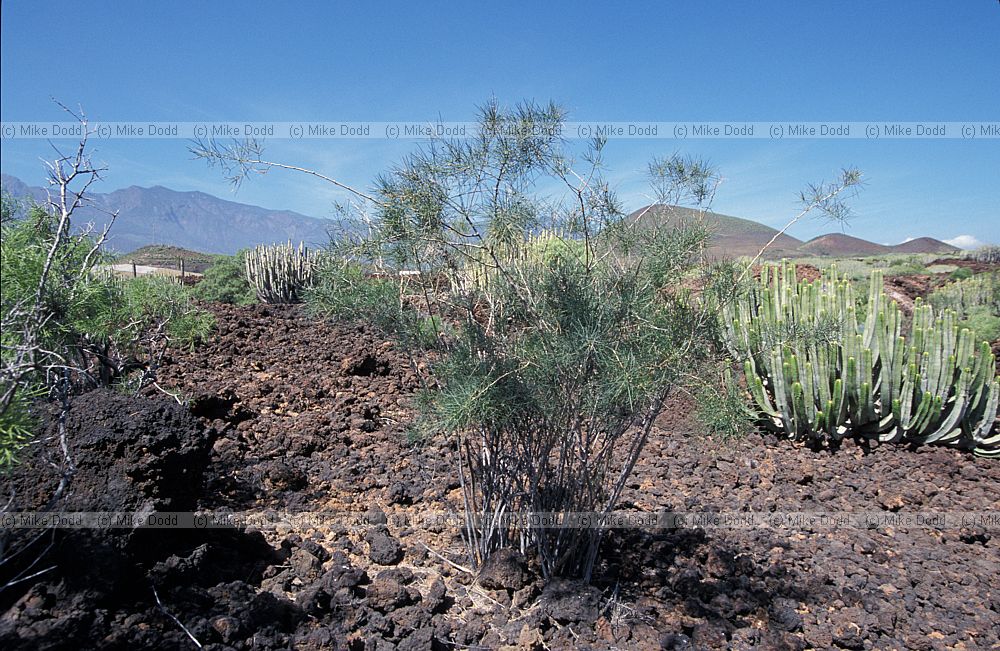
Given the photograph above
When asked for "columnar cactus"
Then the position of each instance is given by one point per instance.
(965, 296)
(990, 254)
(280, 272)
(816, 369)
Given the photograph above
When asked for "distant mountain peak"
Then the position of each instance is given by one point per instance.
(731, 236)
(188, 219)
(841, 244)
(924, 245)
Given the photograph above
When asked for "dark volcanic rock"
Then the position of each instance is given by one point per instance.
(505, 569)
(312, 416)
(784, 616)
(569, 602)
(388, 592)
(132, 455)
(383, 548)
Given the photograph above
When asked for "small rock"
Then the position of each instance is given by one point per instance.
(303, 563)
(418, 640)
(284, 477)
(410, 618)
(675, 641)
(227, 627)
(386, 593)
(505, 569)
(569, 602)
(383, 548)
(784, 617)
(320, 638)
(315, 548)
(396, 493)
(375, 516)
(223, 446)
(436, 596)
(708, 636)
(848, 635)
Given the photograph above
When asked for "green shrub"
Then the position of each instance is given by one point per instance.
(87, 328)
(148, 302)
(550, 369)
(71, 300)
(226, 282)
(551, 349)
(68, 304)
(976, 301)
(907, 266)
(342, 289)
(961, 274)
(17, 425)
(722, 406)
(984, 321)
(968, 293)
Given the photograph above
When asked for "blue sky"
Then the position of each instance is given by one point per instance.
(664, 61)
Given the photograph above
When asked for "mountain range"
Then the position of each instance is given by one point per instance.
(192, 220)
(202, 222)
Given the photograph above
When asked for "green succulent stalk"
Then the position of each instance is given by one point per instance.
(279, 273)
(816, 368)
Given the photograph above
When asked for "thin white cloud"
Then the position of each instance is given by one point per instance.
(965, 242)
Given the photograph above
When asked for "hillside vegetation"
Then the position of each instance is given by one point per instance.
(169, 257)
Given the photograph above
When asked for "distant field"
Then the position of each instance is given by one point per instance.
(898, 264)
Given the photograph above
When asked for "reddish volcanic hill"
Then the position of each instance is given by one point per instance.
(736, 237)
(731, 236)
(924, 245)
(838, 244)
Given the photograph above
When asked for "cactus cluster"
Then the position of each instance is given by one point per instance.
(964, 296)
(280, 272)
(820, 366)
(989, 254)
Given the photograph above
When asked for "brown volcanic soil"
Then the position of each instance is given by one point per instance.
(298, 415)
(976, 266)
(906, 289)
